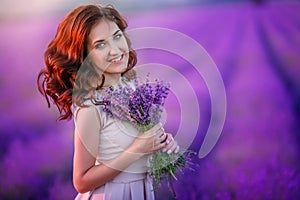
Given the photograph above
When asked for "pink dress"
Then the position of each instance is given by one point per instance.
(114, 137)
(123, 187)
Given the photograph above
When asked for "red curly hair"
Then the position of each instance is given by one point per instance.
(67, 53)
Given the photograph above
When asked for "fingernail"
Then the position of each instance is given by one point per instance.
(169, 151)
(167, 142)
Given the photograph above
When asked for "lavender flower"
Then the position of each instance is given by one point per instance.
(161, 92)
(142, 106)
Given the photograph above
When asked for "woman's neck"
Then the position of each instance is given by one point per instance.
(112, 80)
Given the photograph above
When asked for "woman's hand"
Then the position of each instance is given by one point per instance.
(149, 141)
(171, 145)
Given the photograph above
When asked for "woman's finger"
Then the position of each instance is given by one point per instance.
(158, 146)
(177, 149)
(172, 148)
(168, 143)
(171, 145)
(155, 130)
(163, 137)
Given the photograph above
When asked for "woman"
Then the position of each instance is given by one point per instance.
(91, 51)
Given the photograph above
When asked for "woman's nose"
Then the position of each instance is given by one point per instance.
(114, 50)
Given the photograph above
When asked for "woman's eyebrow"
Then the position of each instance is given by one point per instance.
(102, 40)
(117, 32)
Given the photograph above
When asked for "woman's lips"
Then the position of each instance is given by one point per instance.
(117, 60)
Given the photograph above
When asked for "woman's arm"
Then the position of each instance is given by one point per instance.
(88, 176)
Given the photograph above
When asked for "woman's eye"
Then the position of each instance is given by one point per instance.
(100, 45)
(118, 36)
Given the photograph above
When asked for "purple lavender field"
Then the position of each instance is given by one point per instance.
(257, 50)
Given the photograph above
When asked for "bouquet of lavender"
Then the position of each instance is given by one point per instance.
(142, 106)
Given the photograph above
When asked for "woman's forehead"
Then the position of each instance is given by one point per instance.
(102, 30)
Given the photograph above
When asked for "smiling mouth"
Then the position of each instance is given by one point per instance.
(117, 60)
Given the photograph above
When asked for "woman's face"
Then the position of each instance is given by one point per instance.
(108, 48)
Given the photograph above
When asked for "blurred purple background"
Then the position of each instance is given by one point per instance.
(256, 46)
